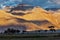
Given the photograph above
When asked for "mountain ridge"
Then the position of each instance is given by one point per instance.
(30, 21)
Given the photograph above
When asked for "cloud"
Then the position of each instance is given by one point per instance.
(55, 1)
(52, 4)
(16, 0)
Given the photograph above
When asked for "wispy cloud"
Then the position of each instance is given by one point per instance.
(52, 4)
(55, 1)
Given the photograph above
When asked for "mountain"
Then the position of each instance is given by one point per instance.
(36, 19)
(53, 9)
(43, 13)
(9, 20)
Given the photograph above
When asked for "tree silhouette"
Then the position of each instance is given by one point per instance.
(46, 30)
(11, 31)
(52, 28)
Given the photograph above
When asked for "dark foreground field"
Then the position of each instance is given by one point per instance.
(30, 38)
(20, 37)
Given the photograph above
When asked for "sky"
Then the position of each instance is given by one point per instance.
(42, 3)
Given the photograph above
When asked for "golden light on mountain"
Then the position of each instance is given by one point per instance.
(33, 20)
(5, 18)
(39, 12)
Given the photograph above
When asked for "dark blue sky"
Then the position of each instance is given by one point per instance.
(42, 3)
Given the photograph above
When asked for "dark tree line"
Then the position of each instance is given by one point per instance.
(11, 31)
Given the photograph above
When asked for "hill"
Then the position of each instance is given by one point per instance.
(36, 19)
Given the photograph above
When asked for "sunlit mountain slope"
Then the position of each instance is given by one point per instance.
(4, 17)
(35, 20)
(39, 12)
(9, 20)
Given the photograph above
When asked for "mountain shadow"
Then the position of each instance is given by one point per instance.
(22, 7)
(19, 14)
(37, 22)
